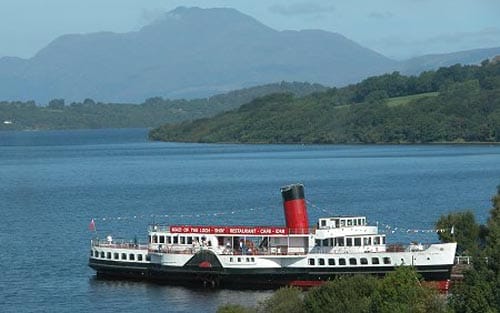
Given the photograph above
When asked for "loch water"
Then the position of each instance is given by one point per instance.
(52, 183)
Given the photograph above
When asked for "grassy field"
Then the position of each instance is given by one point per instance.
(404, 100)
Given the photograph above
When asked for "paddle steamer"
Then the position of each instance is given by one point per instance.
(267, 256)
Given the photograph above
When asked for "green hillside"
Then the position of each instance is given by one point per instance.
(407, 99)
(153, 112)
(454, 104)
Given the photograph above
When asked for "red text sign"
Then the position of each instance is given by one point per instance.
(230, 230)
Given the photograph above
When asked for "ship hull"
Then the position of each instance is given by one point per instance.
(248, 278)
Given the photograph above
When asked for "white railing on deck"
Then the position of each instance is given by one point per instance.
(119, 244)
(463, 259)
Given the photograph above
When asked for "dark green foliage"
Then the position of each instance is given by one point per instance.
(480, 290)
(284, 300)
(492, 250)
(475, 293)
(466, 109)
(345, 294)
(402, 291)
(152, 113)
(466, 232)
(234, 308)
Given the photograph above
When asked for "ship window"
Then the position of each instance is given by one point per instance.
(248, 259)
(252, 259)
(239, 259)
(340, 241)
(148, 257)
(367, 241)
(352, 261)
(155, 239)
(323, 223)
(124, 256)
(108, 255)
(342, 223)
(359, 222)
(149, 239)
(139, 257)
(363, 261)
(317, 242)
(311, 261)
(190, 240)
(349, 242)
(375, 261)
(102, 254)
(383, 240)
(169, 239)
(321, 261)
(96, 253)
(162, 239)
(376, 240)
(341, 261)
(331, 261)
(116, 255)
(325, 242)
(231, 260)
(331, 243)
(131, 257)
(387, 260)
(183, 240)
(357, 242)
(349, 222)
(355, 222)
(336, 223)
(176, 239)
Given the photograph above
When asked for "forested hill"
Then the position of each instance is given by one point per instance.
(452, 104)
(153, 112)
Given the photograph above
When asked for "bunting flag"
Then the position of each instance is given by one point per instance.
(92, 225)
(383, 227)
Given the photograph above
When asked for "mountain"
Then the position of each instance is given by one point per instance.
(419, 64)
(188, 52)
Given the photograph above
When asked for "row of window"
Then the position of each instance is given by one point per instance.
(350, 242)
(351, 261)
(344, 222)
(173, 239)
(119, 256)
(241, 259)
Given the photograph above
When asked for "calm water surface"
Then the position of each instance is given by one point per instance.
(53, 183)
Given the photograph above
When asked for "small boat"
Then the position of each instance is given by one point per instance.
(267, 256)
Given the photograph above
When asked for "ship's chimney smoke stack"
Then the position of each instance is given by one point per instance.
(295, 208)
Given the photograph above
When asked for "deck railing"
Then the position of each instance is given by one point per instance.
(118, 243)
(463, 260)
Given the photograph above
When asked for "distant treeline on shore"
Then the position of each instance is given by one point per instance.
(453, 104)
(153, 112)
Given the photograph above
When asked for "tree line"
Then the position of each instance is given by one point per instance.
(453, 104)
(153, 112)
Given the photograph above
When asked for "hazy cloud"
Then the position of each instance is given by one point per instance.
(490, 34)
(302, 8)
(381, 15)
(404, 47)
(151, 15)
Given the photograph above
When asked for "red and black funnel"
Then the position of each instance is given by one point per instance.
(295, 208)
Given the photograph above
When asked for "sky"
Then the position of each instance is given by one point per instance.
(399, 29)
